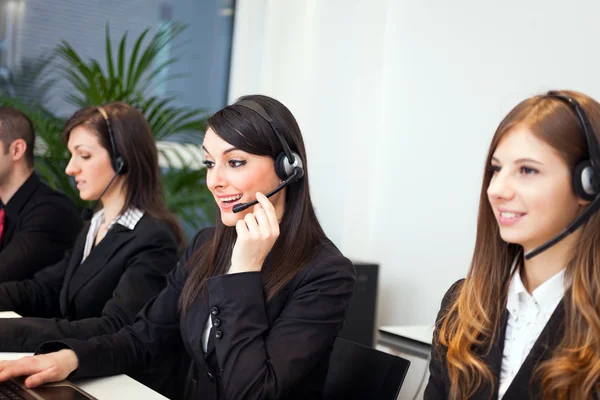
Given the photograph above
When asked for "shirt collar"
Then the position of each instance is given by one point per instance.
(128, 219)
(21, 196)
(546, 296)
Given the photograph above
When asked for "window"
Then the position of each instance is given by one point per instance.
(11, 12)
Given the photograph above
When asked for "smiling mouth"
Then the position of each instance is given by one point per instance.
(231, 199)
(510, 215)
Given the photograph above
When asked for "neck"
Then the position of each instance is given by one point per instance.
(113, 201)
(13, 182)
(548, 263)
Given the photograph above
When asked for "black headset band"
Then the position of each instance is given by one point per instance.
(257, 108)
(111, 138)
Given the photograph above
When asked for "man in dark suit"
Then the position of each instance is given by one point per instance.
(37, 224)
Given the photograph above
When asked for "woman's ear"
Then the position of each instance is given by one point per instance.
(582, 202)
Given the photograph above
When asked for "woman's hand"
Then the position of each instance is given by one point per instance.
(256, 235)
(44, 368)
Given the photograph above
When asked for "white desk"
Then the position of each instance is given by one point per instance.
(106, 388)
(414, 340)
(413, 343)
(9, 314)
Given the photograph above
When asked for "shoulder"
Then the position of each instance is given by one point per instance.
(44, 199)
(452, 293)
(447, 302)
(45, 194)
(150, 228)
(328, 263)
(200, 238)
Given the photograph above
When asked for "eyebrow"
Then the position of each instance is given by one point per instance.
(78, 146)
(229, 150)
(522, 161)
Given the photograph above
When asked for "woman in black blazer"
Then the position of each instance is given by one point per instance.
(259, 299)
(121, 258)
(525, 323)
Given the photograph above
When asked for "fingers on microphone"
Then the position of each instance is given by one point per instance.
(241, 228)
(270, 212)
(264, 226)
(252, 225)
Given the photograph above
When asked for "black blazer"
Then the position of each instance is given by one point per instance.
(99, 296)
(522, 386)
(40, 226)
(258, 350)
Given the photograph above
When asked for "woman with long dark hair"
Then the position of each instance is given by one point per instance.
(525, 323)
(258, 300)
(122, 256)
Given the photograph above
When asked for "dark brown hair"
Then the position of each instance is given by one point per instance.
(134, 142)
(14, 125)
(301, 234)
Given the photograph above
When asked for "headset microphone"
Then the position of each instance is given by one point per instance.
(88, 212)
(296, 175)
(586, 177)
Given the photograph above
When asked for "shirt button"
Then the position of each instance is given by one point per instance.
(214, 311)
(218, 334)
(216, 322)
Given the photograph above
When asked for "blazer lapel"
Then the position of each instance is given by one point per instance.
(98, 258)
(522, 387)
(193, 325)
(74, 261)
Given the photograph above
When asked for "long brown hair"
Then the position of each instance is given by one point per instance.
(469, 326)
(301, 234)
(135, 143)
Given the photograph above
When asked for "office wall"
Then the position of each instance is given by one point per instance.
(398, 101)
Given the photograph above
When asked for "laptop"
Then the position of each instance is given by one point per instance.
(14, 389)
(358, 372)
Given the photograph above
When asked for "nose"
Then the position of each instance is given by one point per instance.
(215, 178)
(500, 187)
(71, 168)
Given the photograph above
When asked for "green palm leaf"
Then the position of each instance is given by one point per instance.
(130, 78)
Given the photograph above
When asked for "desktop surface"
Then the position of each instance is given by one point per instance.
(420, 333)
(109, 387)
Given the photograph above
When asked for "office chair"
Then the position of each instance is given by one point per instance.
(359, 372)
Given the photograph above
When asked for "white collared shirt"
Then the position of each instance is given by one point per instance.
(128, 219)
(527, 317)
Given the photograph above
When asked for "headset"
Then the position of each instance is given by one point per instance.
(117, 161)
(586, 176)
(288, 164)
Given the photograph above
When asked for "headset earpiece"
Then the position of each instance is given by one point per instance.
(583, 181)
(586, 176)
(119, 165)
(284, 168)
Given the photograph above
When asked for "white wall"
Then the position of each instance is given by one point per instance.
(398, 101)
